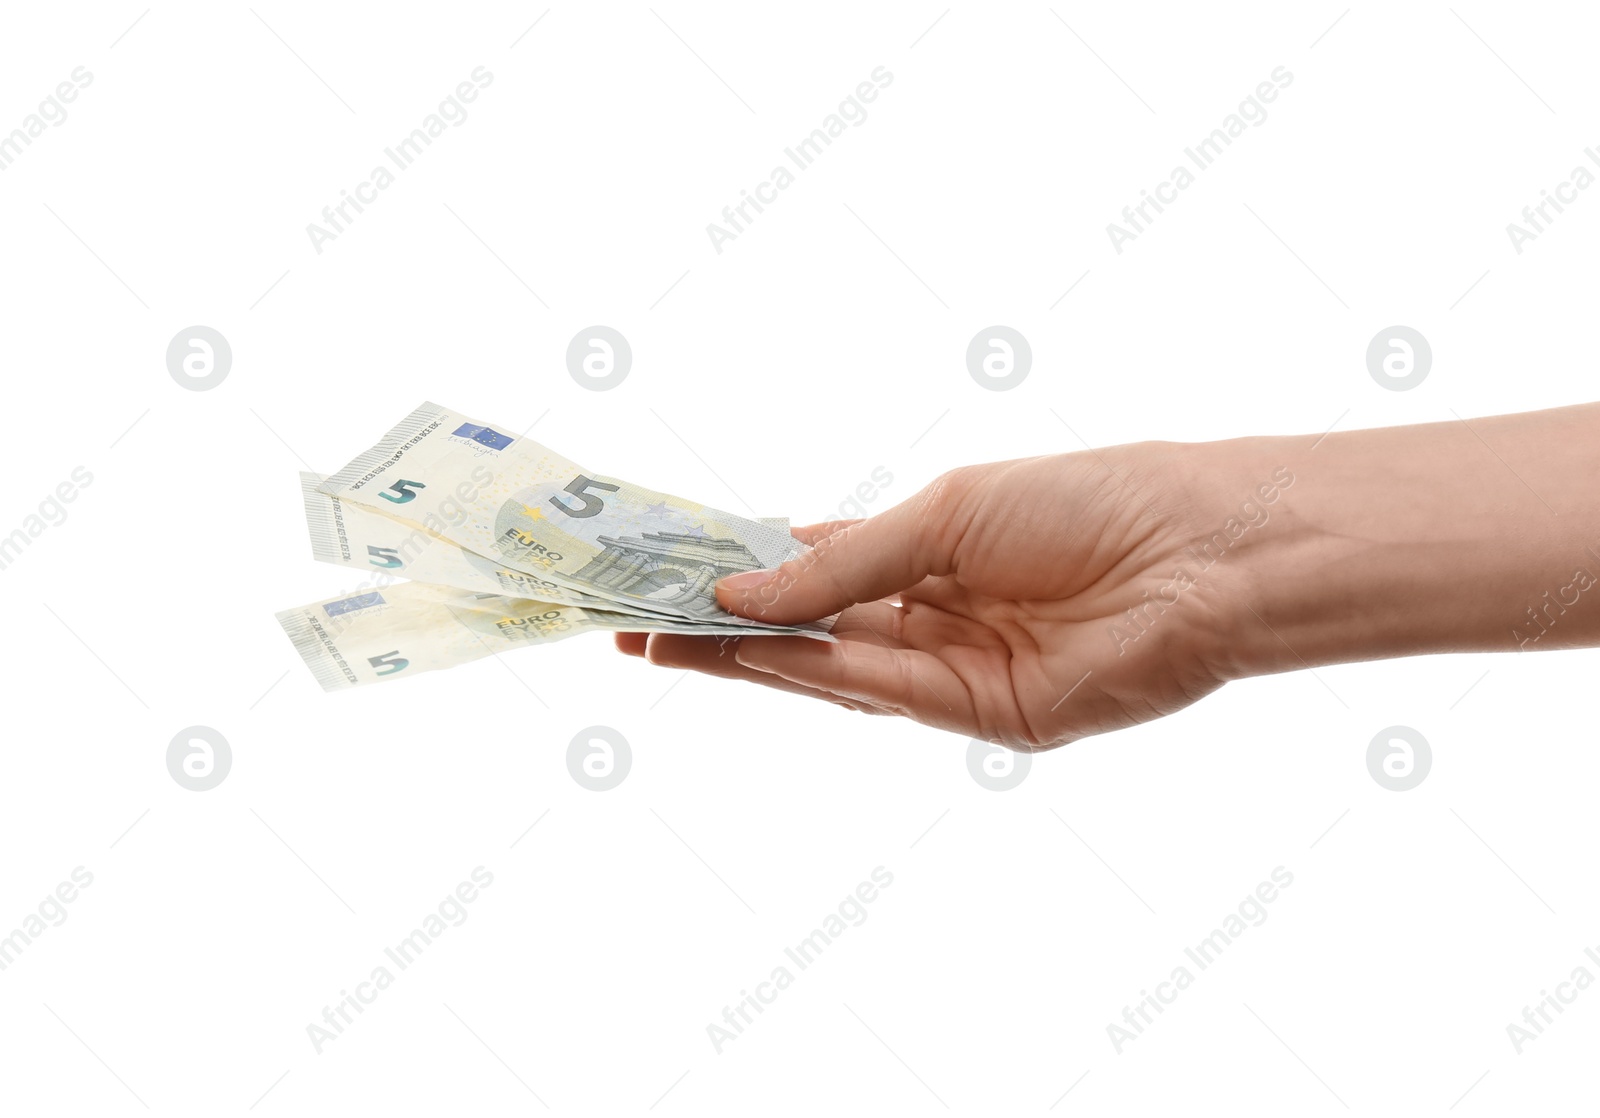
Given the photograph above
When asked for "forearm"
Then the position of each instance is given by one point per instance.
(1472, 536)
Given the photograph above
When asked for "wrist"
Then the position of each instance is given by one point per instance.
(1449, 537)
(1236, 538)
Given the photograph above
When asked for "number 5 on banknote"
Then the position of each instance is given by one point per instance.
(389, 662)
(404, 489)
(579, 487)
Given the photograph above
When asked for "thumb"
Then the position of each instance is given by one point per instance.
(862, 562)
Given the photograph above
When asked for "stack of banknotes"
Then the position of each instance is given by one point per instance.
(472, 541)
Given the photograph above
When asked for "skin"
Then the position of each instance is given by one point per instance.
(996, 602)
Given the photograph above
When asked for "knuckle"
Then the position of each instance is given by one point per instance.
(942, 509)
(942, 491)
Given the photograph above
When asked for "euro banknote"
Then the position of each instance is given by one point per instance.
(415, 627)
(535, 512)
(360, 538)
(364, 539)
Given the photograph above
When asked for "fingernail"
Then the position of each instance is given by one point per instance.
(746, 580)
(746, 655)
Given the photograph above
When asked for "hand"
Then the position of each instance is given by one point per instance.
(1035, 602)
(994, 603)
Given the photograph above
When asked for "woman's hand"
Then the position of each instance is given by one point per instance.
(1038, 601)
(996, 602)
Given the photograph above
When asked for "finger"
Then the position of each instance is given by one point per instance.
(863, 562)
(809, 534)
(716, 656)
(859, 667)
(630, 643)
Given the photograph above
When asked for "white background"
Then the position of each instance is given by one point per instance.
(178, 191)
